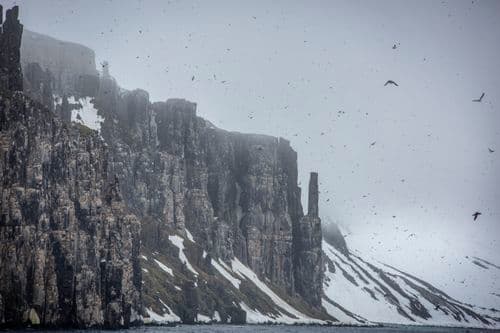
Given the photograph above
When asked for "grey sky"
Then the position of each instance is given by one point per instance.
(293, 65)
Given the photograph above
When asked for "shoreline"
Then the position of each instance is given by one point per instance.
(374, 326)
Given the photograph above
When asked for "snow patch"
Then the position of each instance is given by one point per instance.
(234, 281)
(164, 267)
(203, 319)
(246, 273)
(87, 115)
(254, 316)
(189, 236)
(179, 243)
(167, 317)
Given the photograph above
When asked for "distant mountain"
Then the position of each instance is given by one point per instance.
(359, 291)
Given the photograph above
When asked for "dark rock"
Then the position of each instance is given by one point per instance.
(188, 308)
(237, 315)
(11, 31)
(313, 196)
(308, 254)
(179, 172)
(69, 250)
(38, 84)
(72, 65)
(236, 193)
(68, 246)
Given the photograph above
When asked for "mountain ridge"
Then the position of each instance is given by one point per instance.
(390, 295)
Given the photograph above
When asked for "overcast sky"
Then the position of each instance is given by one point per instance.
(314, 72)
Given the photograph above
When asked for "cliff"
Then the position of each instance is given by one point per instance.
(11, 30)
(72, 65)
(236, 194)
(222, 233)
(68, 247)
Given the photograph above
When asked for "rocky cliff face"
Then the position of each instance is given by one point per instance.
(308, 254)
(114, 209)
(68, 246)
(235, 193)
(222, 228)
(71, 65)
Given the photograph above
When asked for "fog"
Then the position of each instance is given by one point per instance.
(402, 168)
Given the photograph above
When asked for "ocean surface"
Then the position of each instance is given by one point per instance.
(275, 328)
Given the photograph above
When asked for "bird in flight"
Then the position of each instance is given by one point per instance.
(479, 99)
(373, 143)
(476, 215)
(491, 150)
(192, 78)
(391, 82)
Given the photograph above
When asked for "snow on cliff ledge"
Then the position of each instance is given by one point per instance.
(87, 114)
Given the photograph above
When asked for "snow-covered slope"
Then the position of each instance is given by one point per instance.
(444, 259)
(221, 290)
(360, 291)
(357, 291)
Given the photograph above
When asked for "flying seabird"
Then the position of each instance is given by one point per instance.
(391, 82)
(491, 150)
(479, 99)
(476, 215)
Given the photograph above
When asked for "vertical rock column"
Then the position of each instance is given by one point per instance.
(313, 196)
(11, 76)
(308, 256)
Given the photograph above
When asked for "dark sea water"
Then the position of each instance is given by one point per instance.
(276, 328)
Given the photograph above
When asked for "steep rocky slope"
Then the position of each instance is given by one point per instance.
(235, 194)
(359, 291)
(69, 250)
(86, 165)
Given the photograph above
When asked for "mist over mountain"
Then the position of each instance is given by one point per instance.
(118, 209)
